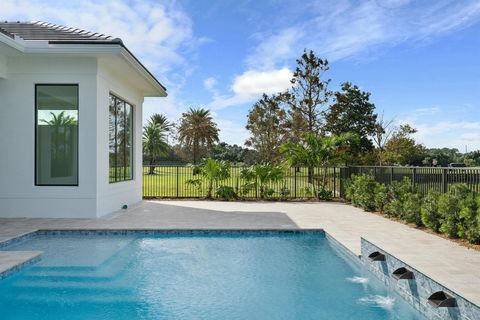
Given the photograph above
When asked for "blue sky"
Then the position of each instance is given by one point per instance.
(419, 59)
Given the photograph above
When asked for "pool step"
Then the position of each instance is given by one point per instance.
(60, 284)
(71, 297)
(74, 276)
(102, 272)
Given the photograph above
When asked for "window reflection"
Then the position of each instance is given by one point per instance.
(120, 140)
(57, 135)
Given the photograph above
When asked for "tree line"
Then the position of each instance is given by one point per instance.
(307, 115)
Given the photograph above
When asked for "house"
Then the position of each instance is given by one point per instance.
(70, 121)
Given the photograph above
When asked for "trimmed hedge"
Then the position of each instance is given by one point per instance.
(456, 213)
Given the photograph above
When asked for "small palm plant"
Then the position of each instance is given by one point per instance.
(213, 171)
(261, 175)
(318, 152)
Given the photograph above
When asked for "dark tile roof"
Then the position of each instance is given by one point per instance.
(51, 32)
(56, 34)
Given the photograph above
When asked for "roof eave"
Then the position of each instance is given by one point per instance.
(96, 46)
(130, 57)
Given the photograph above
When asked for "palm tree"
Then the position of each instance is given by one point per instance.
(197, 130)
(320, 152)
(62, 133)
(60, 120)
(154, 143)
(162, 122)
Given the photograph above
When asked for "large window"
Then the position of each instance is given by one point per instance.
(120, 145)
(56, 135)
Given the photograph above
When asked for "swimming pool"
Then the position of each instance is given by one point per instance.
(273, 275)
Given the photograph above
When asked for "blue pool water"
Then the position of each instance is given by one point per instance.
(264, 276)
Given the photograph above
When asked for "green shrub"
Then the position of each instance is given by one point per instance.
(412, 208)
(397, 193)
(361, 191)
(430, 214)
(449, 210)
(449, 207)
(226, 193)
(307, 191)
(381, 197)
(350, 190)
(394, 208)
(324, 194)
(266, 193)
(469, 225)
(284, 192)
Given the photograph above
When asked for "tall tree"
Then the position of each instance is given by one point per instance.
(402, 148)
(309, 93)
(267, 125)
(383, 131)
(154, 144)
(224, 151)
(197, 130)
(442, 157)
(472, 158)
(307, 98)
(352, 111)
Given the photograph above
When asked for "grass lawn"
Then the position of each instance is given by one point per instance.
(170, 181)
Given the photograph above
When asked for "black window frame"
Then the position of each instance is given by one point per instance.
(35, 108)
(132, 142)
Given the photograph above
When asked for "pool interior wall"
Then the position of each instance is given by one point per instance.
(417, 290)
(379, 303)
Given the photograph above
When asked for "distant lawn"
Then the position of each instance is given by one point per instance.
(170, 182)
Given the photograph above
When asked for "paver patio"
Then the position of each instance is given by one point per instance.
(448, 263)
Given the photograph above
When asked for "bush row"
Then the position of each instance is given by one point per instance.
(455, 213)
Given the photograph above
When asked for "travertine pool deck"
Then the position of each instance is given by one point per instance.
(10, 260)
(452, 265)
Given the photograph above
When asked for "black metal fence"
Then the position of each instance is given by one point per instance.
(171, 182)
(425, 179)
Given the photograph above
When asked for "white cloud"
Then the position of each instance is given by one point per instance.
(209, 83)
(444, 126)
(451, 134)
(231, 132)
(341, 29)
(224, 101)
(160, 34)
(251, 84)
(277, 47)
(425, 111)
(392, 4)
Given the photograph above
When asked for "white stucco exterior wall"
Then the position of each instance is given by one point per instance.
(19, 197)
(3, 67)
(94, 196)
(112, 196)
